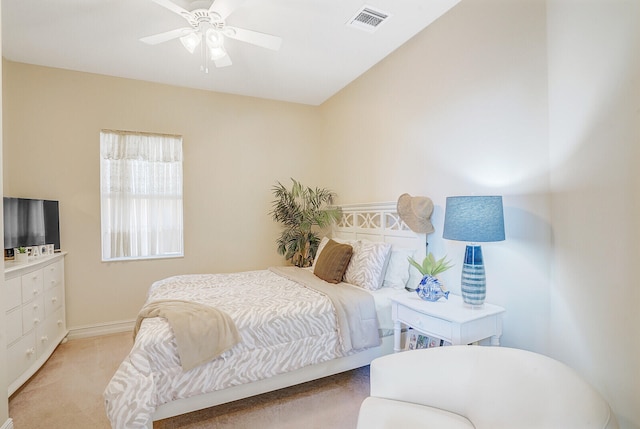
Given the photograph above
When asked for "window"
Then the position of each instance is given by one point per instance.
(140, 195)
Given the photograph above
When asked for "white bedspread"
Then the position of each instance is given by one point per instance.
(283, 326)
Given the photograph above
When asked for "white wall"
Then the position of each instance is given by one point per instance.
(530, 99)
(594, 110)
(461, 109)
(4, 404)
(537, 101)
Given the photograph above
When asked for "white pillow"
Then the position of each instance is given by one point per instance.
(397, 274)
(368, 263)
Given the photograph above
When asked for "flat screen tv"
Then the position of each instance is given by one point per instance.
(30, 222)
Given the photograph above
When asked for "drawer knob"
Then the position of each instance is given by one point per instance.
(59, 322)
(44, 339)
(35, 291)
(36, 321)
(30, 351)
(35, 306)
(54, 299)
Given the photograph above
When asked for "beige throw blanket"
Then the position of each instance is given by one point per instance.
(355, 308)
(202, 332)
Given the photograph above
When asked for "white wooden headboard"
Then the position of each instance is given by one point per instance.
(378, 222)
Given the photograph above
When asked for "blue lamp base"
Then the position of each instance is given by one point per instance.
(473, 282)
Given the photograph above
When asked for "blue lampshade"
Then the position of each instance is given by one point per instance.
(474, 219)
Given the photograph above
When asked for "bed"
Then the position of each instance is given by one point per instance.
(290, 326)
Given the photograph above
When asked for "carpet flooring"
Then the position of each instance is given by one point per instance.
(67, 393)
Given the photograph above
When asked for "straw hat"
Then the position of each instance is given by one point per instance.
(416, 213)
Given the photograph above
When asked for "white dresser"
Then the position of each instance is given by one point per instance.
(35, 315)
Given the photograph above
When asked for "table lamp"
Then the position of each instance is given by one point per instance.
(474, 219)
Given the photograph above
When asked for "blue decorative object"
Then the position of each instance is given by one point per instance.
(430, 289)
(473, 284)
(474, 219)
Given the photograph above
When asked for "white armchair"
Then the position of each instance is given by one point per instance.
(482, 388)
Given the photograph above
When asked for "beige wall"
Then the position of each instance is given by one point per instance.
(594, 87)
(235, 149)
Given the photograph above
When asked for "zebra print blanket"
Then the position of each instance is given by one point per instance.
(283, 326)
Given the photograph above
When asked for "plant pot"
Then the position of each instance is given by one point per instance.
(21, 258)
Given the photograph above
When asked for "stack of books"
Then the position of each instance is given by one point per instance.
(416, 340)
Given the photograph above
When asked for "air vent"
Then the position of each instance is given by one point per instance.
(368, 19)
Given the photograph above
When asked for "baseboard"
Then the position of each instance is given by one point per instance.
(7, 425)
(100, 329)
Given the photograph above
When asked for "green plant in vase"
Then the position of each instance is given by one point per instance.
(430, 287)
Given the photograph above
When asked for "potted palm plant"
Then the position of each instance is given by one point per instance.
(302, 211)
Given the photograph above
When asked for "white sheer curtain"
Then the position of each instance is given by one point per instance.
(141, 195)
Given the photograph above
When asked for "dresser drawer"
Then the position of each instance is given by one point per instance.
(13, 293)
(32, 314)
(425, 323)
(53, 275)
(51, 332)
(52, 300)
(14, 325)
(21, 356)
(32, 285)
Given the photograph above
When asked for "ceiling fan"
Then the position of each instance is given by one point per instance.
(209, 29)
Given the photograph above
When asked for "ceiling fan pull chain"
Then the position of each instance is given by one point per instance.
(204, 54)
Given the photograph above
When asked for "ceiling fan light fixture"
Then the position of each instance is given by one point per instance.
(208, 30)
(190, 42)
(217, 52)
(215, 43)
(214, 38)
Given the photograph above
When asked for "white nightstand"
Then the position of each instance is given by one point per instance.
(450, 320)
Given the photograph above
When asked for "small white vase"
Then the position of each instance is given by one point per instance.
(21, 258)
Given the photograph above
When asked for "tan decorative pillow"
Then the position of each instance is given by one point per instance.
(324, 242)
(333, 261)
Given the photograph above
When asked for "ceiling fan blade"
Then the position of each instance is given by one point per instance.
(223, 62)
(259, 39)
(175, 8)
(224, 8)
(168, 35)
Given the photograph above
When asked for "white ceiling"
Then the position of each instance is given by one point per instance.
(319, 56)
